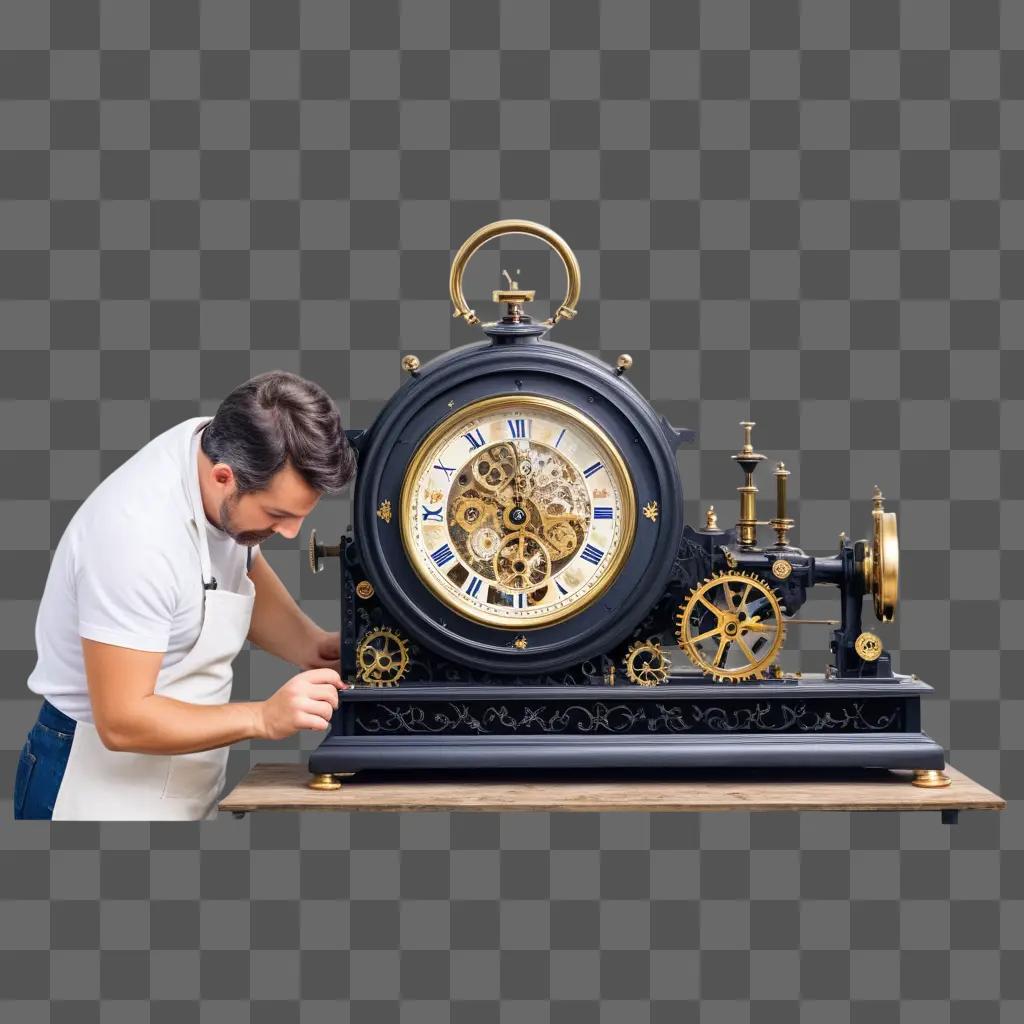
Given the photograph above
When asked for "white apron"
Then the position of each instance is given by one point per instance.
(116, 785)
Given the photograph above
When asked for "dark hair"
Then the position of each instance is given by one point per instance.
(277, 418)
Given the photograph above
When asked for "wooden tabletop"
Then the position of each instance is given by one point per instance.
(283, 787)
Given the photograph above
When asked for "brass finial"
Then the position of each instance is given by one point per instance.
(748, 426)
(877, 499)
(623, 363)
(410, 363)
(711, 518)
(748, 459)
(514, 297)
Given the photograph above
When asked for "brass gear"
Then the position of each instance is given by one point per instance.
(472, 513)
(646, 663)
(494, 467)
(523, 561)
(382, 658)
(718, 613)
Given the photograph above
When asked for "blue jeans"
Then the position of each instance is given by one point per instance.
(41, 764)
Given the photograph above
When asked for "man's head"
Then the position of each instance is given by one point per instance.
(274, 446)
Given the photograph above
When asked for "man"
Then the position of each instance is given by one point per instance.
(155, 585)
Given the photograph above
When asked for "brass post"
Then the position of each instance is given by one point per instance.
(747, 458)
(780, 524)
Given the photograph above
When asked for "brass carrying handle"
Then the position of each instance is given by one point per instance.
(566, 311)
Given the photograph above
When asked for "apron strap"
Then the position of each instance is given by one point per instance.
(198, 515)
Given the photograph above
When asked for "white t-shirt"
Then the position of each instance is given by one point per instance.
(127, 571)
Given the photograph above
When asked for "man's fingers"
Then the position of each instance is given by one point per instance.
(324, 691)
(312, 706)
(306, 721)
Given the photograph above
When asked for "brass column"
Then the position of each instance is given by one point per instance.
(747, 458)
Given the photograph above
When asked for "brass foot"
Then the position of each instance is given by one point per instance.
(930, 779)
(324, 781)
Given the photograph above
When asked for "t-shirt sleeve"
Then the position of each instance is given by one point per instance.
(126, 587)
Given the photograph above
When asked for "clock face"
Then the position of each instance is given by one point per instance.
(517, 511)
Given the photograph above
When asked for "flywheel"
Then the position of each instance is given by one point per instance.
(731, 626)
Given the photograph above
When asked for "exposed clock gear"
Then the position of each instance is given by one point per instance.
(646, 663)
(731, 626)
(484, 543)
(382, 658)
(494, 468)
(471, 512)
(522, 562)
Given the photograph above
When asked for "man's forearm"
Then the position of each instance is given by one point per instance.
(279, 626)
(163, 725)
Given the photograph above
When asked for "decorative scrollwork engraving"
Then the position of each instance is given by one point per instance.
(628, 717)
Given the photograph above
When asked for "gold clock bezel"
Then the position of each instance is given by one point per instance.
(604, 443)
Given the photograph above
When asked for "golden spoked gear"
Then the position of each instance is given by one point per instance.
(646, 663)
(731, 626)
(522, 562)
(382, 658)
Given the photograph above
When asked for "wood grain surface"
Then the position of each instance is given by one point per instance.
(283, 787)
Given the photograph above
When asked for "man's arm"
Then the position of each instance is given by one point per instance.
(128, 715)
(279, 626)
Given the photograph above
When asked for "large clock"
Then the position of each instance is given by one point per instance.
(517, 573)
(518, 501)
(517, 511)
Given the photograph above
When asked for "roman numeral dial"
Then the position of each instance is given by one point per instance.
(517, 510)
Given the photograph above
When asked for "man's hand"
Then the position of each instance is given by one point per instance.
(306, 701)
(325, 652)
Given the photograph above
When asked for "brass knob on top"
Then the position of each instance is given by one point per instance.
(566, 311)
(623, 363)
(410, 363)
(514, 298)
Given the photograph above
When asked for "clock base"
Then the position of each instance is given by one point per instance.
(807, 722)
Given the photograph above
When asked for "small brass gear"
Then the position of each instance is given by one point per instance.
(717, 618)
(646, 663)
(472, 513)
(382, 658)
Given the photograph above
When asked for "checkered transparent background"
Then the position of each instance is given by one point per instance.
(811, 215)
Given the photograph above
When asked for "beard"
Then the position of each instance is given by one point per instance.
(247, 538)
